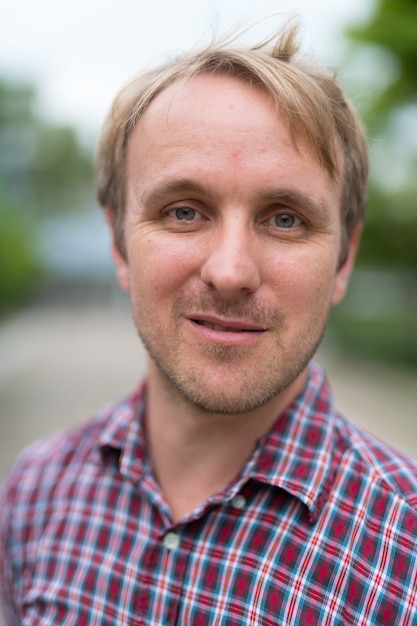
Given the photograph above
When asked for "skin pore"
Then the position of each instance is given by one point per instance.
(232, 263)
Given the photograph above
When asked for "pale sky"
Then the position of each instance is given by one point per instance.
(80, 52)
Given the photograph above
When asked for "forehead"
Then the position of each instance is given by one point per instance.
(209, 97)
(208, 103)
(222, 130)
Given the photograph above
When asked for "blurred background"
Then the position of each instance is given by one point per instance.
(67, 345)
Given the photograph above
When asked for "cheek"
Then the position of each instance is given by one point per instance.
(302, 279)
(159, 267)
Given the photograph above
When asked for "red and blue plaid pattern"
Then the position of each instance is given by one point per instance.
(319, 528)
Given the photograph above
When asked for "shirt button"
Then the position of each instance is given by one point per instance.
(171, 541)
(238, 502)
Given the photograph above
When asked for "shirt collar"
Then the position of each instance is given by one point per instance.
(296, 455)
(123, 435)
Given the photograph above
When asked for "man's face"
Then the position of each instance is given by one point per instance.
(232, 240)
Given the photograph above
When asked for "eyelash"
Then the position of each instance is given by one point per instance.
(183, 208)
(289, 214)
(197, 216)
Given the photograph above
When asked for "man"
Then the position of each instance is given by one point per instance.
(226, 490)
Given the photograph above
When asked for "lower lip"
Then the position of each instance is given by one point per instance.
(226, 337)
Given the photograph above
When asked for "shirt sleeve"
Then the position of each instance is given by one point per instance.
(7, 548)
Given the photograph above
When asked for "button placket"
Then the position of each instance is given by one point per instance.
(238, 502)
(171, 541)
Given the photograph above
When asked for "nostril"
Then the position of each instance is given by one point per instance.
(231, 271)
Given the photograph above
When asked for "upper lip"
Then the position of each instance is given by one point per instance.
(227, 323)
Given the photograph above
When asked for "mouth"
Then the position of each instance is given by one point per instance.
(229, 327)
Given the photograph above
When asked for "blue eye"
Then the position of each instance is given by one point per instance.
(286, 220)
(185, 213)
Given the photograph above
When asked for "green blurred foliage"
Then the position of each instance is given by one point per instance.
(390, 236)
(391, 232)
(393, 27)
(43, 169)
(20, 268)
(383, 338)
(379, 319)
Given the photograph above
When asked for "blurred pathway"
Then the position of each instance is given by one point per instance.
(59, 365)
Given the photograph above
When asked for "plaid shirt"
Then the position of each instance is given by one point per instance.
(320, 527)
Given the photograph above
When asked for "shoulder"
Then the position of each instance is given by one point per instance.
(52, 480)
(42, 465)
(52, 467)
(391, 470)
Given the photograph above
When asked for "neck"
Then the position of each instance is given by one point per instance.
(195, 453)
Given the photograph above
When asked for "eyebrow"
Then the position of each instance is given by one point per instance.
(158, 193)
(308, 204)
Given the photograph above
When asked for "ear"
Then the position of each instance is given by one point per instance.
(344, 272)
(120, 263)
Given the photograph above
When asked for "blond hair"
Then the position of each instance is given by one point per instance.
(315, 105)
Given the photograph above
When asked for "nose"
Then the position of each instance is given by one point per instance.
(231, 266)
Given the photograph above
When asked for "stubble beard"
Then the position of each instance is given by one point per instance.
(258, 387)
